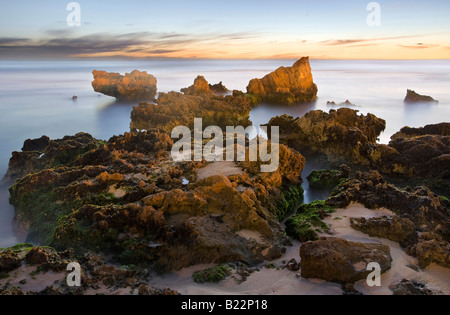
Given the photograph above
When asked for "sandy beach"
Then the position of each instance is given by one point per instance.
(285, 282)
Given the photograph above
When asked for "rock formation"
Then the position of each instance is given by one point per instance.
(338, 260)
(133, 87)
(427, 211)
(219, 89)
(442, 129)
(413, 97)
(397, 229)
(96, 274)
(215, 111)
(126, 197)
(286, 85)
(342, 135)
(200, 87)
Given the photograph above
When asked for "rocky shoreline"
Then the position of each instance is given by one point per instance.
(125, 210)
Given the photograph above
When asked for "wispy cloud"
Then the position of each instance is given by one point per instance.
(63, 43)
(419, 46)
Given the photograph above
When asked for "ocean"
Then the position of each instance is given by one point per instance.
(36, 98)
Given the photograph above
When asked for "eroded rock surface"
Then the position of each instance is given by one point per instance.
(338, 260)
(126, 196)
(132, 87)
(286, 85)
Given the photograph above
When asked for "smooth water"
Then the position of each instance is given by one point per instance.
(36, 98)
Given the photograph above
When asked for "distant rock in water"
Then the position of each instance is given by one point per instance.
(199, 88)
(133, 87)
(286, 85)
(343, 104)
(413, 97)
(218, 88)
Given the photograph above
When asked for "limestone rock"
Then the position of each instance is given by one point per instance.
(413, 97)
(338, 260)
(342, 135)
(176, 109)
(286, 85)
(9, 261)
(219, 89)
(133, 87)
(200, 88)
(442, 129)
(396, 229)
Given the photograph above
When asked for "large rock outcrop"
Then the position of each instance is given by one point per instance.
(176, 109)
(127, 197)
(286, 85)
(338, 260)
(133, 87)
(342, 135)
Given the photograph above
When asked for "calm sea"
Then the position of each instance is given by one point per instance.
(36, 98)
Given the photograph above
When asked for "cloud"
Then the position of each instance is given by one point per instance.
(61, 43)
(13, 41)
(419, 46)
(338, 42)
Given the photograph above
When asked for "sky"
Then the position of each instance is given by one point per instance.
(244, 29)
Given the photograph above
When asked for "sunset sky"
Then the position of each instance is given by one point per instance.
(37, 29)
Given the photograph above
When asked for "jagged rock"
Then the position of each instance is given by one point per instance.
(413, 97)
(133, 87)
(42, 153)
(286, 85)
(338, 260)
(9, 261)
(218, 88)
(48, 258)
(328, 178)
(215, 111)
(201, 87)
(126, 197)
(396, 229)
(430, 248)
(343, 104)
(293, 265)
(425, 209)
(421, 206)
(407, 287)
(442, 129)
(421, 156)
(342, 135)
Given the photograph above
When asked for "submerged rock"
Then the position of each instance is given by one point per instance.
(133, 87)
(286, 85)
(338, 260)
(413, 97)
